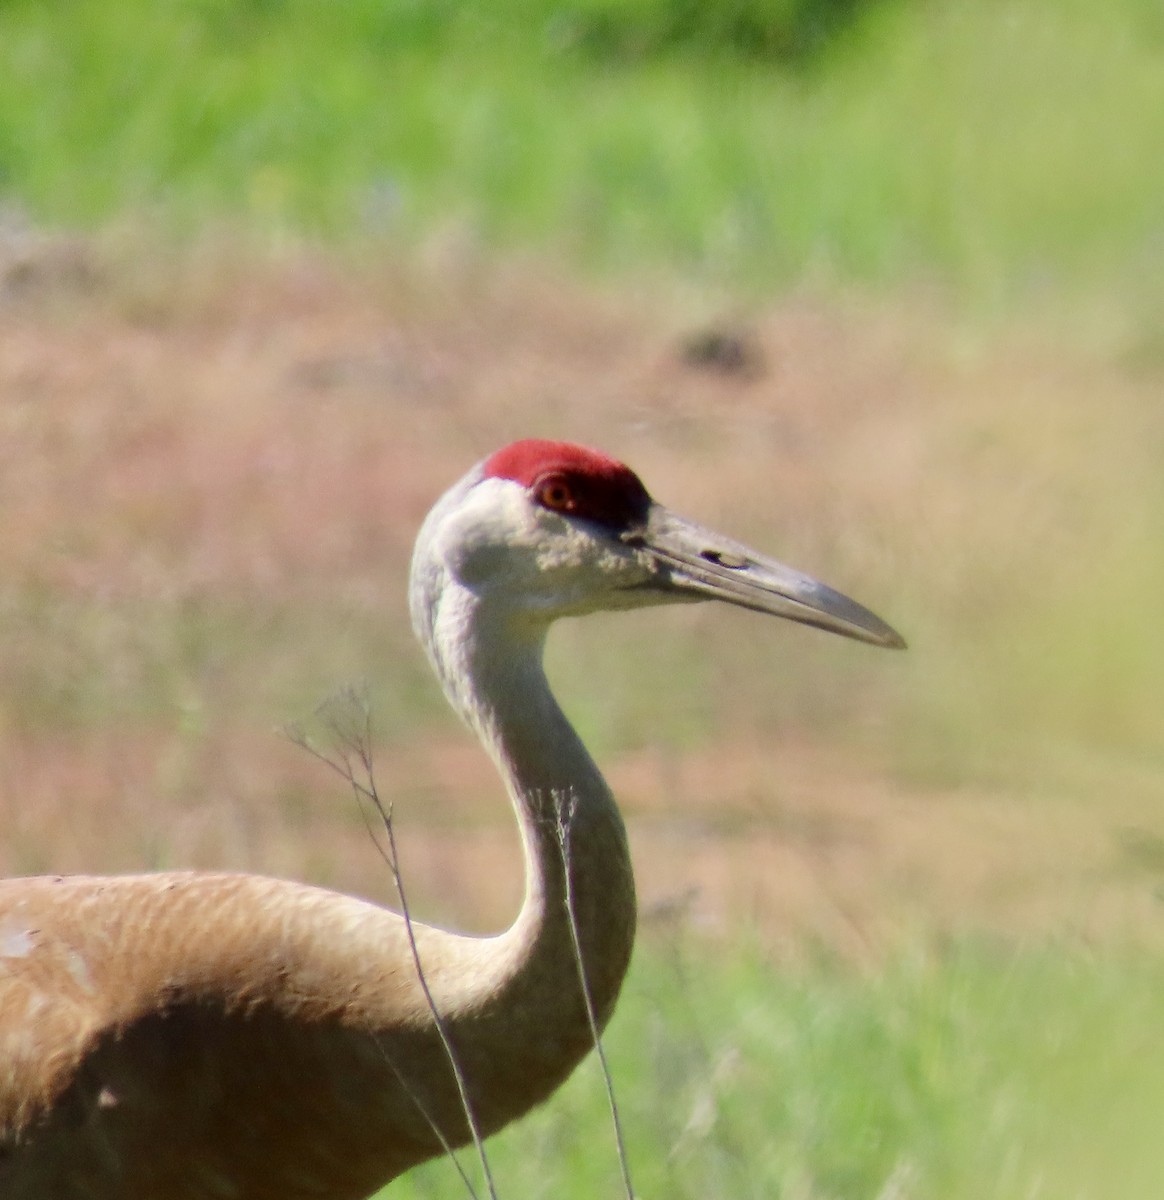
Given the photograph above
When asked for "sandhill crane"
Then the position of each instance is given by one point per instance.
(193, 1035)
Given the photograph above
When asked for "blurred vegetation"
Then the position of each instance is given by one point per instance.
(783, 32)
(955, 1074)
(1008, 150)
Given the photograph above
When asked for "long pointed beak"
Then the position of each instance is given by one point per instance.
(714, 567)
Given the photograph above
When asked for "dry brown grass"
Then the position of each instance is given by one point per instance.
(211, 469)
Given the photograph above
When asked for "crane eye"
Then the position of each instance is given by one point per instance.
(556, 494)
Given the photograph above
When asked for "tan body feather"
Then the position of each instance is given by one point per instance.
(197, 1035)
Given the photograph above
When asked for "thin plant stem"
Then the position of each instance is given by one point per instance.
(564, 807)
(357, 746)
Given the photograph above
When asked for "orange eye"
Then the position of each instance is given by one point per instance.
(556, 494)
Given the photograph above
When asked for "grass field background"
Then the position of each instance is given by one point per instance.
(270, 281)
(999, 152)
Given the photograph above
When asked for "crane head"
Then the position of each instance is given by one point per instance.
(550, 529)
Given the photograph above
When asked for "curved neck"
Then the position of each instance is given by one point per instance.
(490, 664)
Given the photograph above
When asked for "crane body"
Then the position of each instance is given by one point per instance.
(203, 1036)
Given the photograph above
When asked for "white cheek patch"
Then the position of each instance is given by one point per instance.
(483, 535)
(492, 538)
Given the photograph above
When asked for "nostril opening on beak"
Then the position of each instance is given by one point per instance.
(733, 562)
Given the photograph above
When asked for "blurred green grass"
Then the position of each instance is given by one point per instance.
(1007, 151)
(963, 1072)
